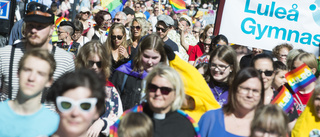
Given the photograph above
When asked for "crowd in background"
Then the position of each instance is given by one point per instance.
(156, 72)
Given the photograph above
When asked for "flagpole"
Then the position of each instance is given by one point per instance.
(160, 8)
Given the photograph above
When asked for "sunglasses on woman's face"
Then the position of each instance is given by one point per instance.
(163, 90)
(91, 63)
(114, 37)
(66, 104)
(135, 27)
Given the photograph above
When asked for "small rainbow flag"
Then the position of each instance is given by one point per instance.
(178, 5)
(59, 20)
(284, 99)
(300, 77)
(107, 31)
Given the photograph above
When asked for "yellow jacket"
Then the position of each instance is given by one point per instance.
(196, 87)
(308, 123)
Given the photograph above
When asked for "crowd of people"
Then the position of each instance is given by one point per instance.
(145, 71)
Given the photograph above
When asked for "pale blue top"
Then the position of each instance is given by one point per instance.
(42, 123)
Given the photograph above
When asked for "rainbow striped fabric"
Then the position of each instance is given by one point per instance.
(139, 108)
(113, 6)
(107, 33)
(178, 6)
(284, 99)
(59, 20)
(300, 77)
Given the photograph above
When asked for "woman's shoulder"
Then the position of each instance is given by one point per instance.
(213, 113)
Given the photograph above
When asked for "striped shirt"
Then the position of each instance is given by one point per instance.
(64, 61)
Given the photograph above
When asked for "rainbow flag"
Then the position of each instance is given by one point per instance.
(300, 77)
(107, 31)
(178, 5)
(284, 99)
(113, 6)
(59, 20)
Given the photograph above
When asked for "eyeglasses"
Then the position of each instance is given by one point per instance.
(162, 29)
(116, 19)
(206, 44)
(135, 27)
(86, 13)
(114, 37)
(163, 90)
(283, 56)
(35, 9)
(91, 63)
(195, 31)
(245, 90)
(150, 29)
(108, 20)
(220, 67)
(267, 72)
(66, 104)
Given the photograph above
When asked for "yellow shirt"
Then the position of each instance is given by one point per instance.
(308, 123)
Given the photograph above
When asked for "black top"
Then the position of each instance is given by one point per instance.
(172, 44)
(131, 94)
(173, 125)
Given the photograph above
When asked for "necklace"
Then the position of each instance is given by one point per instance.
(219, 94)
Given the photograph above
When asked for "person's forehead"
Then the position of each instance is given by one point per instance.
(161, 24)
(183, 22)
(107, 16)
(207, 41)
(118, 16)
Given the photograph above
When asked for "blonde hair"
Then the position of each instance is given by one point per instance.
(135, 125)
(308, 58)
(91, 48)
(173, 77)
(270, 118)
(110, 46)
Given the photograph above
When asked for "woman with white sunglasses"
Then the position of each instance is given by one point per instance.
(93, 55)
(79, 99)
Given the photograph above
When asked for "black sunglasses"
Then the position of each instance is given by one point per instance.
(37, 7)
(91, 63)
(267, 72)
(34, 8)
(163, 90)
(135, 27)
(116, 19)
(162, 29)
(114, 37)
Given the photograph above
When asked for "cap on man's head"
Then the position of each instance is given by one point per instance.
(166, 19)
(68, 23)
(84, 10)
(187, 19)
(128, 11)
(39, 13)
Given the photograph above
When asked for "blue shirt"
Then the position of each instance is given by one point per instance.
(211, 124)
(43, 122)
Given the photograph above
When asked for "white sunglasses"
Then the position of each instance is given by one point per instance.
(66, 104)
